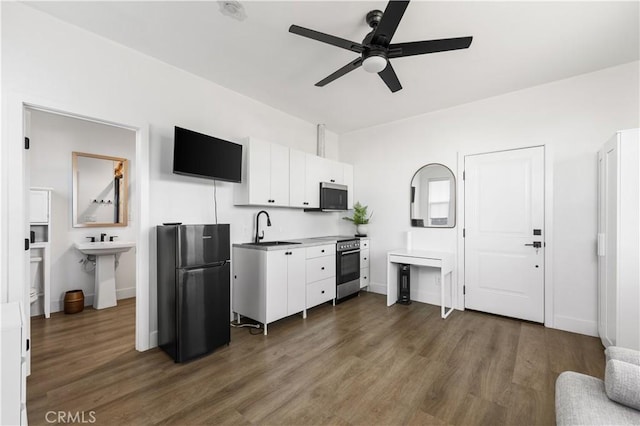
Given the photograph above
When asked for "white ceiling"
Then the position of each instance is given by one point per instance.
(515, 45)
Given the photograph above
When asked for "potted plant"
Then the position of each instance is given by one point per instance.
(360, 218)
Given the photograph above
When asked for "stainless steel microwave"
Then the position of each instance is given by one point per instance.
(333, 196)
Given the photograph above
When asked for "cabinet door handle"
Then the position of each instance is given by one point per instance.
(333, 180)
(322, 292)
(322, 268)
(365, 258)
(322, 251)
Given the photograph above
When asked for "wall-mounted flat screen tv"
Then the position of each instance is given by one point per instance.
(196, 154)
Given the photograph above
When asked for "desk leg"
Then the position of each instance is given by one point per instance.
(443, 311)
(392, 282)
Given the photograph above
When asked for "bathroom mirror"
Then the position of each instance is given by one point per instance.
(433, 197)
(99, 190)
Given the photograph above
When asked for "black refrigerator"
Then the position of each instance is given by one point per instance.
(193, 289)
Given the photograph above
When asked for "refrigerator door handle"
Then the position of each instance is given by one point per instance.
(205, 265)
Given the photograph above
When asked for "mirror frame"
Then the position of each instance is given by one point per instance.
(123, 195)
(453, 197)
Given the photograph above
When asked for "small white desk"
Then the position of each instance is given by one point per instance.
(433, 259)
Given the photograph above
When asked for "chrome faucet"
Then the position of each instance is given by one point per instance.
(102, 237)
(258, 236)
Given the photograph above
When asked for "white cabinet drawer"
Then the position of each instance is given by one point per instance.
(317, 251)
(364, 277)
(320, 292)
(364, 244)
(320, 268)
(364, 258)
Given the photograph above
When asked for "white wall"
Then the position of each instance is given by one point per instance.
(574, 117)
(63, 65)
(53, 138)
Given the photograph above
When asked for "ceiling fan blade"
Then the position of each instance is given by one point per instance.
(342, 71)
(390, 78)
(389, 23)
(326, 38)
(428, 46)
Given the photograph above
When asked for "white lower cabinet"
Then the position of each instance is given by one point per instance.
(268, 285)
(321, 274)
(321, 291)
(364, 263)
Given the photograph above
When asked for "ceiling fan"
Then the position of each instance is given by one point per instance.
(376, 48)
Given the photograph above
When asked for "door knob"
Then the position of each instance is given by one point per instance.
(535, 244)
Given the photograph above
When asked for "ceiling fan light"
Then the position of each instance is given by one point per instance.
(374, 63)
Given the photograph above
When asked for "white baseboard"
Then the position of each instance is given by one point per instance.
(121, 293)
(378, 288)
(125, 293)
(153, 339)
(576, 325)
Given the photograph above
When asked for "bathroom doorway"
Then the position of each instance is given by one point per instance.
(56, 265)
(16, 196)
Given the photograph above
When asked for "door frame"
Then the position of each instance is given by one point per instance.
(15, 204)
(548, 225)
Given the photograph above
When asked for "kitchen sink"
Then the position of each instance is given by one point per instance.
(272, 243)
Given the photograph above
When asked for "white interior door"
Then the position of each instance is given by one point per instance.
(504, 218)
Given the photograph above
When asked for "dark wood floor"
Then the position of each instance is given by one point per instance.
(357, 363)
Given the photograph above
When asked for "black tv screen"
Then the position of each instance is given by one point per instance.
(195, 154)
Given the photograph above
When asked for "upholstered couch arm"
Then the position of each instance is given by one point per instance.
(623, 354)
(581, 400)
(622, 383)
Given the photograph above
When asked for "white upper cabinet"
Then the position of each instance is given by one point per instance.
(279, 175)
(274, 175)
(298, 179)
(330, 171)
(348, 180)
(265, 175)
(313, 179)
(39, 206)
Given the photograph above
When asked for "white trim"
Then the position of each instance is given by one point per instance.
(576, 325)
(548, 230)
(13, 166)
(123, 293)
(458, 301)
(142, 225)
(377, 288)
(549, 288)
(153, 337)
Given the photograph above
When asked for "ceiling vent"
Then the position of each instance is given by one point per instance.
(232, 8)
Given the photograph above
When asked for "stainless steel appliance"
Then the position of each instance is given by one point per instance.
(347, 268)
(333, 198)
(193, 289)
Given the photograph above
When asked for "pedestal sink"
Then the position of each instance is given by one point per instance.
(105, 253)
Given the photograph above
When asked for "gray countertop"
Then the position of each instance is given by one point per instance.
(302, 242)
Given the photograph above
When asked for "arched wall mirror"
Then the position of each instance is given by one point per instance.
(433, 197)
(99, 190)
